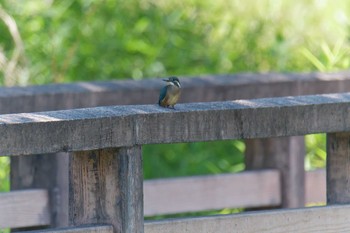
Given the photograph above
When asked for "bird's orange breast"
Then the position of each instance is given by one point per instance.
(171, 97)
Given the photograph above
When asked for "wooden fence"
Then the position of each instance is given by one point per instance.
(104, 145)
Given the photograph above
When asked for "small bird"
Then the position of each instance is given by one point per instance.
(169, 95)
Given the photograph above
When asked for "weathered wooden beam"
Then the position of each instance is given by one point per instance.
(246, 189)
(83, 229)
(120, 126)
(24, 209)
(105, 187)
(338, 167)
(304, 220)
(195, 89)
(285, 154)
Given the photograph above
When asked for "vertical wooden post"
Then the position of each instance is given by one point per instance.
(286, 154)
(48, 171)
(338, 168)
(106, 186)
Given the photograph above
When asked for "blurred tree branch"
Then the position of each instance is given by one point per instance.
(14, 69)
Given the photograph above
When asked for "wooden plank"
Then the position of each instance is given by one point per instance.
(24, 208)
(245, 189)
(338, 166)
(117, 126)
(195, 89)
(82, 229)
(315, 187)
(106, 187)
(305, 220)
(285, 154)
(49, 172)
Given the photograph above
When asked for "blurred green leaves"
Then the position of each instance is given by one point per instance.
(329, 59)
(70, 40)
(186, 159)
(315, 151)
(4, 173)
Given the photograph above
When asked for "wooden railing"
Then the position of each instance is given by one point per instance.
(105, 167)
(50, 172)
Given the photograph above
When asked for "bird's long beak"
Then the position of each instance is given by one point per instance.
(166, 80)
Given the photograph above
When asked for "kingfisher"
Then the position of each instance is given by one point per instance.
(169, 95)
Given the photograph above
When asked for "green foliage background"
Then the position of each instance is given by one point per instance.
(71, 40)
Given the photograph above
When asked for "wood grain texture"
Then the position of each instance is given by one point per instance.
(48, 172)
(117, 126)
(338, 167)
(285, 154)
(82, 229)
(106, 187)
(24, 208)
(246, 189)
(315, 187)
(305, 220)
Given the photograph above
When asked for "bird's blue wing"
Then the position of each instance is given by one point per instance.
(162, 94)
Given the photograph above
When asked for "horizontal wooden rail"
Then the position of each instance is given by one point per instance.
(176, 195)
(239, 190)
(118, 126)
(83, 229)
(304, 220)
(196, 89)
(246, 189)
(315, 187)
(24, 209)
